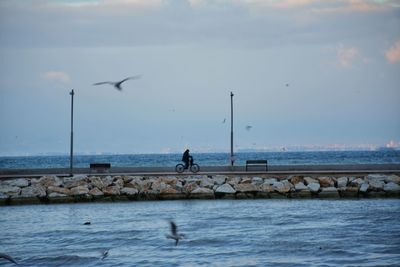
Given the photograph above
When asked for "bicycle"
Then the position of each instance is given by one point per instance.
(193, 167)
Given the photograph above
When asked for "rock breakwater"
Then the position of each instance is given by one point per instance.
(83, 188)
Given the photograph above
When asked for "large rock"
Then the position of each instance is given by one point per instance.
(295, 179)
(202, 190)
(270, 181)
(233, 180)
(36, 190)
(326, 181)
(219, 179)
(267, 188)
(75, 181)
(357, 182)
(97, 182)
(119, 182)
(168, 190)
(171, 180)
(309, 180)
(329, 192)
(393, 178)
(111, 191)
(21, 182)
(342, 182)
(50, 180)
(202, 193)
(300, 186)
(282, 187)
(79, 190)
(257, 180)
(246, 180)
(247, 188)
(207, 182)
(60, 190)
(225, 188)
(129, 191)
(364, 187)
(375, 177)
(391, 187)
(314, 187)
(10, 190)
(189, 187)
(96, 192)
(107, 180)
(376, 185)
(141, 185)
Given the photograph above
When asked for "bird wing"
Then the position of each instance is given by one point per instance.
(173, 228)
(103, 83)
(134, 77)
(7, 257)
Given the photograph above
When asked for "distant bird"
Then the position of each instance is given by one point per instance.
(174, 233)
(104, 254)
(7, 257)
(87, 223)
(287, 85)
(224, 120)
(117, 85)
(248, 127)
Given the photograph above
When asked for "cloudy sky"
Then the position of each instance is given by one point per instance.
(303, 72)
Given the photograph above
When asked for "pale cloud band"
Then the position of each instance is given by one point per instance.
(393, 54)
(57, 76)
(346, 56)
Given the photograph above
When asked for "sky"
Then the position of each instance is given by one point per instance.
(303, 73)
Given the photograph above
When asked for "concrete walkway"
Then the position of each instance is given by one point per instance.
(205, 170)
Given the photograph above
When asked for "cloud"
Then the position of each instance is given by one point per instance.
(393, 54)
(346, 56)
(57, 76)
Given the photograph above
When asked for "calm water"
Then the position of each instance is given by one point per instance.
(206, 159)
(218, 233)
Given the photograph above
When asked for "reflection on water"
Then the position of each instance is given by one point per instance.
(218, 233)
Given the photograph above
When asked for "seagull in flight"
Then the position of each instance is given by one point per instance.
(7, 257)
(248, 127)
(224, 120)
(117, 85)
(104, 254)
(174, 233)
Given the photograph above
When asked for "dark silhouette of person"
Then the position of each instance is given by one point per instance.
(187, 158)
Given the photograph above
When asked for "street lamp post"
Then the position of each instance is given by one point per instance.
(232, 156)
(72, 135)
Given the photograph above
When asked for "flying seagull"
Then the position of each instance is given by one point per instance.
(248, 127)
(224, 120)
(174, 233)
(117, 85)
(104, 254)
(7, 257)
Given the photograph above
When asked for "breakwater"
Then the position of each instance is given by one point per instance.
(84, 188)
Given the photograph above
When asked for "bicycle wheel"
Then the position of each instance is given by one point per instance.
(179, 168)
(194, 168)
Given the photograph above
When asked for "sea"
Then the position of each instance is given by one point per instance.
(205, 159)
(269, 232)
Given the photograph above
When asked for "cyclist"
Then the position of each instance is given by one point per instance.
(187, 158)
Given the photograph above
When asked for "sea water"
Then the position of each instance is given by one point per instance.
(206, 159)
(217, 233)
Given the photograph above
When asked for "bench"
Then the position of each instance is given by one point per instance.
(100, 167)
(257, 163)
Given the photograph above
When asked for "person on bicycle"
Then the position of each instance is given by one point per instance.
(187, 158)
